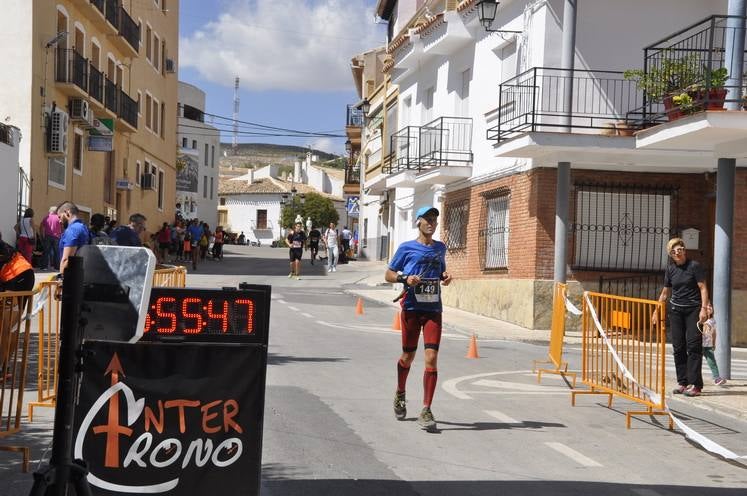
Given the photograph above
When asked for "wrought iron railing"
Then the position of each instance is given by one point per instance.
(112, 12)
(446, 141)
(693, 62)
(404, 150)
(6, 134)
(354, 117)
(456, 218)
(646, 286)
(72, 67)
(495, 229)
(99, 4)
(95, 83)
(129, 29)
(533, 101)
(111, 95)
(623, 227)
(128, 109)
(353, 174)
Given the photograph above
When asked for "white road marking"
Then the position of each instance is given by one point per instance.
(307, 315)
(519, 386)
(282, 301)
(644, 491)
(277, 296)
(573, 455)
(452, 385)
(290, 307)
(502, 417)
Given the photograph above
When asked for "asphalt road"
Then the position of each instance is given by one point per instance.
(329, 427)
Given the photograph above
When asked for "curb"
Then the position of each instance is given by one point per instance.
(727, 411)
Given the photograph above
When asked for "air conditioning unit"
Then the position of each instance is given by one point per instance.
(80, 111)
(170, 65)
(148, 181)
(57, 134)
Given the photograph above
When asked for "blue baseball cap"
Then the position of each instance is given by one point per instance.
(425, 210)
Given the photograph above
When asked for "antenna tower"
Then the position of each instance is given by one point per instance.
(235, 143)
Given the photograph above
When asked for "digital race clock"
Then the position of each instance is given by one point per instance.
(227, 315)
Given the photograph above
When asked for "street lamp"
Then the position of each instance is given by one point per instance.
(486, 10)
(348, 147)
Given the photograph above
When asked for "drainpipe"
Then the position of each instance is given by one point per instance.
(725, 186)
(563, 186)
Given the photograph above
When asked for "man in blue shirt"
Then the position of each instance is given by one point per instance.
(421, 266)
(76, 233)
(129, 235)
(196, 231)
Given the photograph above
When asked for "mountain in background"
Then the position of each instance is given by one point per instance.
(255, 155)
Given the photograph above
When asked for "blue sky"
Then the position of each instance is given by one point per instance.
(293, 58)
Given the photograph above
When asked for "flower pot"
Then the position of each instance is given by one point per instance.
(623, 129)
(713, 99)
(673, 111)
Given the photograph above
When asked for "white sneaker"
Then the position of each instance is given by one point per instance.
(334, 269)
(329, 269)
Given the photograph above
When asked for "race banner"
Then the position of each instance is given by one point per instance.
(171, 419)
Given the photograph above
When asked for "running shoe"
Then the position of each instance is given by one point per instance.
(692, 391)
(679, 389)
(426, 420)
(290, 275)
(720, 381)
(400, 408)
(298, 278)
(334, 269)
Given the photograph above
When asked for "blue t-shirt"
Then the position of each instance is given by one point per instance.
(196, 232)
(428, 262)
(125, 236)
(76, 234)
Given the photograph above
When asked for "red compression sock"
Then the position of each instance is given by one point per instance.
(402, 372)
(429, 385)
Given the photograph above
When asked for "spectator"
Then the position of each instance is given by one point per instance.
(76, 233)
(129, 235)
(98, 235)
(195, 234)
(163, 237)
(110, 227)
(218, 244)
(25, 231)
(16, 273)
(346, 237)
(50, 230)
(241, 239)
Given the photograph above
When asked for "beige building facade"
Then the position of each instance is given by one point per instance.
(93, 87)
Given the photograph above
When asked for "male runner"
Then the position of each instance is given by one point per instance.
(420, 264)
(295, 241)
(314, 237)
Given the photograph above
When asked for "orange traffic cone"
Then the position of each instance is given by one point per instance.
(396, 322)
(359, 307)
(472, 352)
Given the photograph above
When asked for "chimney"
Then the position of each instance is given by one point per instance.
(250, 179)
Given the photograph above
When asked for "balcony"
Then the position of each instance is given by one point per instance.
(94, 10)
(112, 12)
(686, 80)
(111, 96)
(71, 72)
(127, 111)
(354, 117)
(604, 102)
(130, 30)
(96, 84)
(404, 151)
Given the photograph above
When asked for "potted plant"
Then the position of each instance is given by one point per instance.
(685, 104)
(714, 97)
(666, 79)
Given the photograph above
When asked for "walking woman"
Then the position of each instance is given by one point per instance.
(25, 231)
(331, 239)
(685, 287)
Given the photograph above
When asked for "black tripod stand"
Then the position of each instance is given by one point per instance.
(53, 479)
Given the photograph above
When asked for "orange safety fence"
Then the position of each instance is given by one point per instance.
(171, 277)
(557, 333)
(623, 351)
(48, 325)
(14, 354)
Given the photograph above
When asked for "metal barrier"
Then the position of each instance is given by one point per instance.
(14, 351)
(623, 352)
(49, 343)
(171, 277)
(557, 332)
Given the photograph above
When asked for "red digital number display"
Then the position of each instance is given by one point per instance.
(199, 312)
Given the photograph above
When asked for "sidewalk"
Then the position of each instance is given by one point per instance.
(730, 400)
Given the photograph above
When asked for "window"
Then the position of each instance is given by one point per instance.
(156, 52)
(204, 187)
(212, 187)
(206, 155)
(156, 111)
(456, 217)
(194, 144)
(56, 171)
(163, 120)
(148, 111)
(223, 201)
(163, 57)
(148, 43)
(212, 156)
(261, 219)
(78, 151)
(623, 228)
(108, 186)
(95, 54)
(138, 173)
(428, 104)
(139, 103)
(160, 189)
(495, 229)
(184, 142)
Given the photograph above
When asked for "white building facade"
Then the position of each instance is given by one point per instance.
(199, 146)
(10, 175)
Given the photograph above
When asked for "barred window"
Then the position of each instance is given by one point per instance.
(56, 170)
(493, 240)
(455, 227)
(622, 227)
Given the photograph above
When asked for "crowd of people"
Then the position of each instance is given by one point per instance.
(335, 246)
